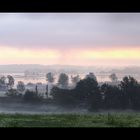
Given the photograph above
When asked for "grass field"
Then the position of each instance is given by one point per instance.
(70, 120)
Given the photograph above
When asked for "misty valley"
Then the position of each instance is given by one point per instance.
(68, 90)
(69, 69)
(68, 100)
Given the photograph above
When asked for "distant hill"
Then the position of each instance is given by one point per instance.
(127, 70)
(16, 68)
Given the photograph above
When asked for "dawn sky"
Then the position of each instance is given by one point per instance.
(70, 38)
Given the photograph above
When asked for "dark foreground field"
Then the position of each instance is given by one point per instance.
(17, 113)
(70, 120)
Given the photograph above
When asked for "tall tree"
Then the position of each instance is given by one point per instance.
(20, 86)
(87, 91)
(63, 80)
(36, 89)
(2, 80)
(113, 77)
(130, 89)
(75, 79)
(50, 77)
(111, 96)
(11, 81)
(91, 75)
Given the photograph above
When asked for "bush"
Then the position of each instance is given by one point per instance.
(63, 96)
(12, 93)
(32, 96)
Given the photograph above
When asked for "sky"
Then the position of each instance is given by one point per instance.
(107, 39)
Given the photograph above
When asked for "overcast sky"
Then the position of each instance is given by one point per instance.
(83, 37)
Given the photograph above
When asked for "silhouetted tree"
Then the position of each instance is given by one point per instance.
(75, 79)
(87, 91)
(63, 80)
(32, 96)
(20, 86)
(63, 97)
(12, 93)
(36, 89)
(10, 81)
(136, 98)
(2, 80)
(50, 77)
(131, 91)
(111, 97)
(91, 75)
(113, 77)
(47, 91)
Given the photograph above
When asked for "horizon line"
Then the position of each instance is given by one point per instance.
(75, 65)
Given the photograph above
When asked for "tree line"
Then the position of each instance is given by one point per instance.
(86, 92)
(89, 94)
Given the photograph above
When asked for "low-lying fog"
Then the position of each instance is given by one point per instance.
(37, 109)
(28, 108)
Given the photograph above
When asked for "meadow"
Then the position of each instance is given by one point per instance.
(71, 120)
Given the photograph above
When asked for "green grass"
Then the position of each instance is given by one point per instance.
(71, 120)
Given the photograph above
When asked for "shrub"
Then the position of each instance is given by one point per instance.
(32, 96)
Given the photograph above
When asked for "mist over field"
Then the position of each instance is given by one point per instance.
(78, 67)
(37, 74)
